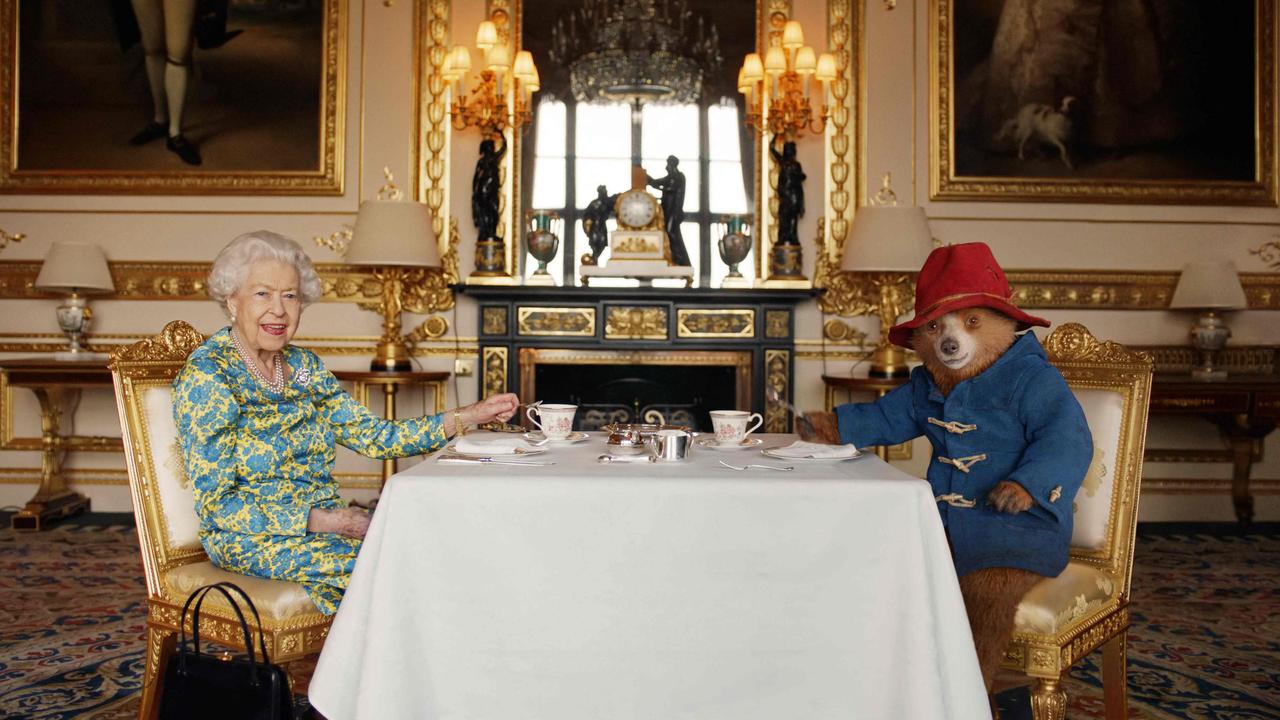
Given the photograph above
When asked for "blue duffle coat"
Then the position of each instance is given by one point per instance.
(1017, 420)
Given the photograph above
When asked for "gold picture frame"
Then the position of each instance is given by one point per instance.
(1094, 145)
(52, 158)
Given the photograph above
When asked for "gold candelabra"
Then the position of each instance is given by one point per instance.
(501, 96)
(778, 88)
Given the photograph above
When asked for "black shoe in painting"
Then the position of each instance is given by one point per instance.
(153, 131)
(184, 149)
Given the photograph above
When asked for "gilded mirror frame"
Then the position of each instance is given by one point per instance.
(326, 179)
(842, 141)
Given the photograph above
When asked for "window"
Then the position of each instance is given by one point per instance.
(582, 146)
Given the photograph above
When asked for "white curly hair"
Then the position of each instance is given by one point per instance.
(232, 265)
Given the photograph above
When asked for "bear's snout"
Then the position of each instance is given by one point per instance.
(949, 345)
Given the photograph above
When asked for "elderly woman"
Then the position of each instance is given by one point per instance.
(258, 419)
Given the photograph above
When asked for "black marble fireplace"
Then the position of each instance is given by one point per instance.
(623, 353)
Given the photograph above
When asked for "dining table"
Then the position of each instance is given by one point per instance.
(687, 589)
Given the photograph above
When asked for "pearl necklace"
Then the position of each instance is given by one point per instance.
(276, 384)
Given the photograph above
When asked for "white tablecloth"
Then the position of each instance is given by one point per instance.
(652, 592)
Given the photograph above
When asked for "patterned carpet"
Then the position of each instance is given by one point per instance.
(1205, 641)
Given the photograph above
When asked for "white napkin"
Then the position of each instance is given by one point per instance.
(491, 444)
(801, 450)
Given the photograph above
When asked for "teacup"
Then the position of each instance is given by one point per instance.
(556, 420)
(731, 425)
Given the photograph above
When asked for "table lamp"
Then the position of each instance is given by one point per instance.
(75, 269)
(396, 238)
(1211, 287)
(889, 241)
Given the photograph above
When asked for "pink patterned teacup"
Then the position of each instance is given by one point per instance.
(556, 420)
(731, 425)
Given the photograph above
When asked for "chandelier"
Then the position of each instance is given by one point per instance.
(636, 50)
(777, 89)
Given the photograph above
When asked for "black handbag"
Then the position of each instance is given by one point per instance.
(199, 685)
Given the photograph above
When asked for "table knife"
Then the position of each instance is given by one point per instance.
(494, 461)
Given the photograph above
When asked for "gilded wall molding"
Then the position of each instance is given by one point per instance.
(847, 293)
(844, 147)
(186, 281)
(717, 323)
(433, 132)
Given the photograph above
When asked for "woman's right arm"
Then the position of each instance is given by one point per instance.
(206, 414)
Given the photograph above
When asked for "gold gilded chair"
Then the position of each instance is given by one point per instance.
(1063, 619)
(164, 507)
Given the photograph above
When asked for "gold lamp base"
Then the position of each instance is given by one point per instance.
(391, 356)
(888, 361)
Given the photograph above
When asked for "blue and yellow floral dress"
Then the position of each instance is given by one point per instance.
(259, 461)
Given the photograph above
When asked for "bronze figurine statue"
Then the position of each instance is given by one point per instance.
(672, 187)
(790, 193)
(484, 189)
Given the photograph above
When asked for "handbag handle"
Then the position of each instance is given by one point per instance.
(257, 619)
(198, 597)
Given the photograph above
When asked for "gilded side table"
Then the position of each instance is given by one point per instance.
(57, 385)
(850, 385)
(391, 382)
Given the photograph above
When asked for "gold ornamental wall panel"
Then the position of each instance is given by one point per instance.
(495, 321)
(494, 361)
(700, 323)
(556, 321)
(777, 324)
(777, 375)
(635, 322)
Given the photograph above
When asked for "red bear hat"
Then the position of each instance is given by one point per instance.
(956, 277)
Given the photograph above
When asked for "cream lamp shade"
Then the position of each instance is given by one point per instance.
(75, 267)
(393, 232)
(887, 237)
(1209, 285)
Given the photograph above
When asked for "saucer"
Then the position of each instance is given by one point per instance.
(574, 437)
(711, 444)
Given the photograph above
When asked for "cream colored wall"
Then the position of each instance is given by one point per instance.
(380, 133)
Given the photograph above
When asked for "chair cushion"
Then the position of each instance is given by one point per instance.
(177, 498)
(275, 599)
(1053, 604)
(1104, 411)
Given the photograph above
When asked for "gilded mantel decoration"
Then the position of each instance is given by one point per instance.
(82, 127)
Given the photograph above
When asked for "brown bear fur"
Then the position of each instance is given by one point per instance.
(991, 595)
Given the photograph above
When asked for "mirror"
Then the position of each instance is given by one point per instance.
(588, 132)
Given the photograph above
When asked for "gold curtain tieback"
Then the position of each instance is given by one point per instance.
(955, 500)
(953, 426)
(963, 464)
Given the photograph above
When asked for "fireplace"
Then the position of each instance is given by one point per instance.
(680, 387)
(622, 353)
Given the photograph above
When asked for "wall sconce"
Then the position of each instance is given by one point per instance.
(778, 89)
(501, 95)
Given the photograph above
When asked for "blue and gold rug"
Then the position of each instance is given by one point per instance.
(1205, 641)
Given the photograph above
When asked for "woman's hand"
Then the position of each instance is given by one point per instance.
(352, 522)
(495, 407)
